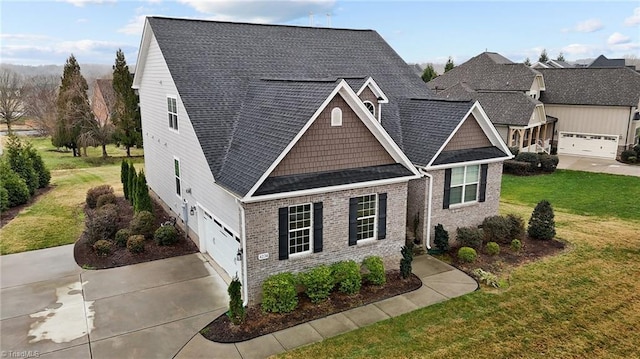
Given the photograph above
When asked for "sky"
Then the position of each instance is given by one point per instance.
(47, 32)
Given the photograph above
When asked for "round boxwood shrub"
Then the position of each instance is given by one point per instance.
(317, 283)
(548, 163)
(346, 276)
(497, 229)
(542, 224)
(493, 248)
(279, 293)
(102, 247)
(122, 236)
(516, 245)
(530, 157)
(165, 235)
(469, 237)
(517, 226)
(374, 270)
(107, 198)
(142, 223)
(95, 192)
(101, 223)
(17, 189)
(135, 244)
(467, 254)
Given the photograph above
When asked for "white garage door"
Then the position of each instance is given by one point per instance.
(590, 145)
(221, 245)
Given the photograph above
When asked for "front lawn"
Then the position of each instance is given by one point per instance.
(587, 193)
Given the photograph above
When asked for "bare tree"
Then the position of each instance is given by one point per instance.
(11, 96)
(96, 133)
(40, 102)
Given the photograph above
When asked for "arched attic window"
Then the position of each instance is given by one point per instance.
(371, 107)
(336, 116)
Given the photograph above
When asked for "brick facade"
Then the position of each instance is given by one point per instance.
(469, 135)
(262, 234)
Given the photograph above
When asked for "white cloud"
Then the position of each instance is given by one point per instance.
(82, 21)
(578, 50)
(590, 25)
(81, 3)
(135, 26)
(25, 37)
(634, 19)
(617, 38)
(263, 11)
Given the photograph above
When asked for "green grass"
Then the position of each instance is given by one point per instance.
(586, 193)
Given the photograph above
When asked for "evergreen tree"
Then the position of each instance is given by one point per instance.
(560, 57)
(542, 224)
(527, 62)
(131, 183)
(449, 65)
(429, 73)
(73, 109)
(543, 56)
(44, 175)
(236, 312)
(143, 200)
(441, 238)
(20, 162)
(124, 178)
(126, 119)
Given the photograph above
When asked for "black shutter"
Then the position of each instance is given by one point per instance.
(283, 233)
(317, 227)
(382, 216)
(353, 221)
(447, 188)
(483, 182)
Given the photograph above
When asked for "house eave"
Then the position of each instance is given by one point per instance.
(468, 163)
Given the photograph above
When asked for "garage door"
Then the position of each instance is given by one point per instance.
(221, 245)
(590, 145)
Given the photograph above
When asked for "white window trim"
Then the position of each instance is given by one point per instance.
(372, 106)
(375, 220)
(176, 128)
(310, 250)
(179, 177)
(336, 117)
(464, 188)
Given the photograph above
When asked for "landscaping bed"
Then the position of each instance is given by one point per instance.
(259, 323)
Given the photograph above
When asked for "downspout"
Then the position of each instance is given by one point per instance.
(428, 239)
(626, 135)
(245, 288)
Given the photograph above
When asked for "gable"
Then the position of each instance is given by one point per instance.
(328, 148)
(469, 135)
(368, 95)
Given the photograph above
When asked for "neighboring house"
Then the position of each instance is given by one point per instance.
(604, 62)
(103, 100)
(595, 108)
(552, 64)
(509, 93)
(284, 147)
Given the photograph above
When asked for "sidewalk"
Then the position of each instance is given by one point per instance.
(440, 282)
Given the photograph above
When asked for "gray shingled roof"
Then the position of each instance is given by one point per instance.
(487, 71)
(591, 86)
(470, 154)
(603, 61)
(426, 125)
(213, 63)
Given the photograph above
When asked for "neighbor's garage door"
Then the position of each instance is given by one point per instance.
(588, 145)
(221, 245)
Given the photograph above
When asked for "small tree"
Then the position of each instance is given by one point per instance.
(527, 62)
(126, 119)
(543, 56)
(143, 200)
(429, 73)
(542, 224)
(449, 65)
(236, 312)
(20, 161)
(561, 57)
(441, 238)
(124, 178)
(131, 183)
(12, 94)
(405, 262)
(44, 175)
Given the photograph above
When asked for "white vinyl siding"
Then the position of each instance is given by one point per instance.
(176, 173)
(464, 184)
(172, 110)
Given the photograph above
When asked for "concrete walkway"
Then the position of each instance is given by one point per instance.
(440, 282)
(600, 165)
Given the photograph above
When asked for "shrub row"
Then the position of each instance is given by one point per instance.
(22, 171)
(631, 155)
(527, 163)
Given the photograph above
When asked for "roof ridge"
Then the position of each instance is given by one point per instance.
(439, 99)
(257, 24)
(284, 79)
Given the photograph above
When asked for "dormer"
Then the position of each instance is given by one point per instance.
(372, 97)
(536, 87)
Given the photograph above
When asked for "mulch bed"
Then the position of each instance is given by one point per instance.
(258, 323)
(86, 257)
(11, 213)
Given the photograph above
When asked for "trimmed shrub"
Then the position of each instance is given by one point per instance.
(124, 178)
(107, 198)
(517, 168)
(95, 192)
(166, 235)
(467, 254)
(497, 229)
(542, 224)
(626, 156)
(17, 189)
(4, 199)
(405, 262)
(135, 243)
(516, 245)
(514, 150)
(492, 248)
(131, 183)
(143, 200)
(317, 283)
(516, 226)
(102, 247)
(279, 293)
(374, 270)
(346, 276)
(19, 159)
(101, 223)
(44, 175)
(236, 312)
(143, 223)
(122, 236)
(469, 237)
(441, 238)
(548, 163)
(529, 157)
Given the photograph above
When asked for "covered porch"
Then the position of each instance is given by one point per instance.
(533, 138)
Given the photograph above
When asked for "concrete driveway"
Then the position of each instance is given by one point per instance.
(601, 165)
(52, 308)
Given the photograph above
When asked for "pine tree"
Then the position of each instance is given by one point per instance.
(73, 109)
(127, 114)
(429, 73)
(143, 200)
(124, 178)
(236, 312)
(560, 57)
(449, 65)
(527, 62)
(543, 56)
(131, 183)
(542, 224)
